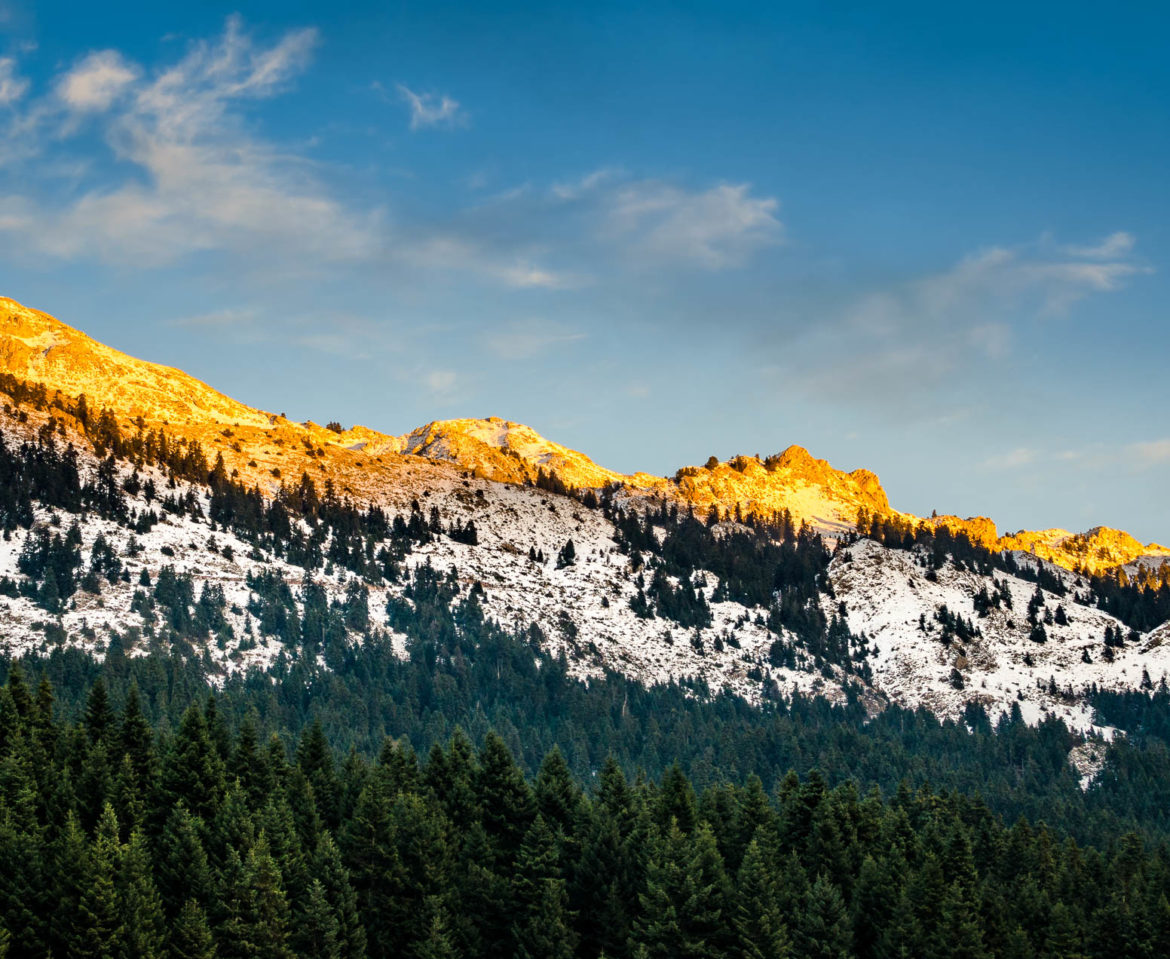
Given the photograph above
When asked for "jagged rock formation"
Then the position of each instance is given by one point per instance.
(1098, 549)
(809, 488)
(266, 449)
(504, 451)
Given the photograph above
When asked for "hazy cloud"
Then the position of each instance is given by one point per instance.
(525, 339)
(716, 228)
(96, 82)
(1114, 245)
(431, 109)
(464, 252)
(201, 180)
(1151, 452)
(12, 86)
(574, 189)
(440, 382)
(1014, 459)
(897, 344)
(232, 316)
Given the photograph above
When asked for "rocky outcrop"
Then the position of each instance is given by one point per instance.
(269, 450)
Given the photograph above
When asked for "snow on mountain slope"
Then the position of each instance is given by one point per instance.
(888, 593)
(482, 471)
(583, 609)
(266, 449)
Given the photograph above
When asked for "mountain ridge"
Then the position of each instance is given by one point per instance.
(763, 591)
(267, 449)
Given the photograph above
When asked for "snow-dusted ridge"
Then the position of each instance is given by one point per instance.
(886, 593)
(265, 447)
(478, 470)
(594, 593)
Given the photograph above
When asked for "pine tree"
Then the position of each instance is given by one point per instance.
(319, 929)
(1063, 938)
(315, 759)
(822, 931)
(479, 915)
(137, 740)
(334, 877)
(140, 906)
(438, 943)
(193, 770)
(255, 922)
(190, 936)
(874, 899)
(759, 927)
(558, 798)
(602, 887)
(98, 931)
(540, 928)
(676, 801)
(452, 775)
(182, 872)
(99, 718)
(683, 907)
(505, 799)
(369, 853)
(960, 936)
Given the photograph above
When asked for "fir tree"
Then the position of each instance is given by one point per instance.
(822, 931)
(683, 908)
(759, 926)
(540, 928)
(190, 937)
(98, 930)
(143, 925)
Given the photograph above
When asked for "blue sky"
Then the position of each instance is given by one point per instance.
(926, 239)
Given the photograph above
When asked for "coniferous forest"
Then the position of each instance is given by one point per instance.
(119, 840)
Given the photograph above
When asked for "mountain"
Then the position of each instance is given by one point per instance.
(36, 347)
(604, 568)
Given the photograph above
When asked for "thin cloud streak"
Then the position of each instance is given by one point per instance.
(528, 339)
(431, 109)
(899, 346)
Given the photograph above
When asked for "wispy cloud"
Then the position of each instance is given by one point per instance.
(715, 229)
(1114, 245)
(511, 264)
(185, 170)
(1101, 455)
(526, 339)
(899, 343)
(12, 85)
(606, 222)
(1151, 452)
(431, 109)
(1011, 460)
(97, 81)
(200, 179)
(583, 185)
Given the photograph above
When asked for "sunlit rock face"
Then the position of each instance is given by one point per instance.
(269, 450)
